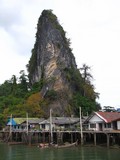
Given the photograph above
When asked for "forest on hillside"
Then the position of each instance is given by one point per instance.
(18, 96)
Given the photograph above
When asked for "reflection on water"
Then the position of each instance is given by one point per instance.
(33, 153)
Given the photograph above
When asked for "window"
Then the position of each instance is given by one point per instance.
(107, 125)
(92, 125)
(43, 126)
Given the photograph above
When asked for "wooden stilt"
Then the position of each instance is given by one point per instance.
(71, 138)
(43, 137)
(95, 139)
(22, 137)
(29, 139)
(108, 140)
(113, 139)
(84, 138)
(16, 137)
(11, 137)
(36, 137)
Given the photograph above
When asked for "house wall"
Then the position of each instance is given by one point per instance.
(95, 120)
(18, 127)
(99, 124)
(118, 124)
(46, 127)
(109, 126)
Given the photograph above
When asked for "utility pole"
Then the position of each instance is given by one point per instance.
(27, 122)
(81, 131)
(51, 134)
(11, 127)
(10, 124)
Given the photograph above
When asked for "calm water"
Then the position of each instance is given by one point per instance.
(33, 153)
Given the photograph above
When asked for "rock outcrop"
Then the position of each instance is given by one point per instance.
(51, 61)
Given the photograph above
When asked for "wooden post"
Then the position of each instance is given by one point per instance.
(16, 136)
(85, 138)
(95, 139)
(27, 122)
(36, 137)
(22, 137)
(51, 134)
(58, 138)
(113, 139)
(71, 137)
(29, 139)
(108, 140)
(43, 137)
(61, 137)
(81, 132)
(75, 136)
(11, 128)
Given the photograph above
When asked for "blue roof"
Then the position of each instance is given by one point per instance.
(11, 122)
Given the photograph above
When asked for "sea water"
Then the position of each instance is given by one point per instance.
(24, 152)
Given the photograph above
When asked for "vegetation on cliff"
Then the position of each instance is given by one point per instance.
(23, 94)
(17, 98)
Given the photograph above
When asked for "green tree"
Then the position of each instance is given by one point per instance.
(109, 109)
(85, 73)
(85, 103)
(14, 84)
(88, 87)
(31, 105)
(5, 88)
(23, 81)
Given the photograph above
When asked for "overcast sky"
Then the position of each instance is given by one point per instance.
(92, 25)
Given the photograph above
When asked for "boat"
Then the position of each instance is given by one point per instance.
(67, 145)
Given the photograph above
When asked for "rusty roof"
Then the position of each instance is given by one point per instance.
(108, 116)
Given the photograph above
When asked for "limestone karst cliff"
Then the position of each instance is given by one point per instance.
(53, 63)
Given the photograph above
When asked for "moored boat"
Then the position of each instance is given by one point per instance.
(67, 145)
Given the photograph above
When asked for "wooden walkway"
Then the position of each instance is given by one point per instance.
(108, 137)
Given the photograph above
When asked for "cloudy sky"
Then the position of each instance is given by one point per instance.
(92, 25)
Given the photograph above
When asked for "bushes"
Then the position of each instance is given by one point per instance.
(51, 95)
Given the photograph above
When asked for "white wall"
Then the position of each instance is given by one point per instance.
(118, 124)
(95, 119)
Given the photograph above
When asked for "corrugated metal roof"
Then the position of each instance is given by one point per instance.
(64, 120)
(108, 116)
(35, 121)
(105, 116)
(21, 120)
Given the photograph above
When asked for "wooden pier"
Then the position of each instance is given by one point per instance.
(107, 138)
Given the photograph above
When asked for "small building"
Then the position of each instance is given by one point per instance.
(45, 125)
(60, 123)
(33, 123)
(15, 123)
(101, 121)
(21, 123)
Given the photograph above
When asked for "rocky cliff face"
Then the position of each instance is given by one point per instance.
(51, 57)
